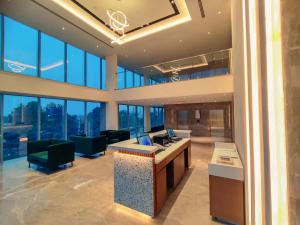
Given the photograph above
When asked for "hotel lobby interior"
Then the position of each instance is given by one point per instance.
(161, 112)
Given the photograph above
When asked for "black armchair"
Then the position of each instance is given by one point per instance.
(114, 136)
(89, 145)
(50, 153)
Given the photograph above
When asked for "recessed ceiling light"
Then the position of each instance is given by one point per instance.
(144, 50)
(219, 12)
(97, 46)
(180, 40)
(208, 32)
(183, 17)
(63, 28)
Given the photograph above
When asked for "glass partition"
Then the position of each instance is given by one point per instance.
(129, 79)
(121, 77)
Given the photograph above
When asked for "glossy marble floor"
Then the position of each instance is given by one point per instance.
(83, 194)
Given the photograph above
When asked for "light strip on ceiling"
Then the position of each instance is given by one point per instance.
(247, 121)
(88, 19)
(276, 114)
(255, 113)
(183, 17)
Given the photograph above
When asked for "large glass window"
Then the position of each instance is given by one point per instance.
(20, 125)
(52, 118)
(140, 120)
(137, 80)
(20, 48)
(21, 120)
(157, 116)
(129, 79)
(103, 74)
(93, 71)
(93, 112)
(52, 58)
(121, 77)
(142, 80)
(1, 41)
(131, 117)
(132, 120)
(75, 65)
(123, 116)
(75, 115)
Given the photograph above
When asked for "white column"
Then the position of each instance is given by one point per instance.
(147, 119)
(111, 84)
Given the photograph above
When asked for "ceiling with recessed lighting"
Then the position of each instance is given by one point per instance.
(192, 37)
(189, 65)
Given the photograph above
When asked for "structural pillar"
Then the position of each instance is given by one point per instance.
(111, 84)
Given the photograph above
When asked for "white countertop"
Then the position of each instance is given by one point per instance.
(232, 171)
(133, 146)
(174, 146)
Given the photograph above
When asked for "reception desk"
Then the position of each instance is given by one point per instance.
(144, 178)
(226, 184)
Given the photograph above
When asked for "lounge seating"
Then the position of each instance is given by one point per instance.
(123, 135)
(89, 145)
(50, 153)
(114, 136)
(157, 128)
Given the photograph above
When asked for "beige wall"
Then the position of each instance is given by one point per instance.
(26, 85)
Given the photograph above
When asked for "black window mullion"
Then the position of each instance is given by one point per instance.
(39, 49)
(133, 78)
(39, 119)
(66, 64)
(65, 119)
(125, 78)
(85, 69)
(101, 85)
(1, 127)
(85, 117)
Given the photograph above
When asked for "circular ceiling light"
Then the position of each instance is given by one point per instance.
(117, 22)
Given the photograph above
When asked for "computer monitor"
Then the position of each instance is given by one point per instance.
(145, 140)
(170, 132)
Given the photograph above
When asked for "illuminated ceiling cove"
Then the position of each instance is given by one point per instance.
(77, 8)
